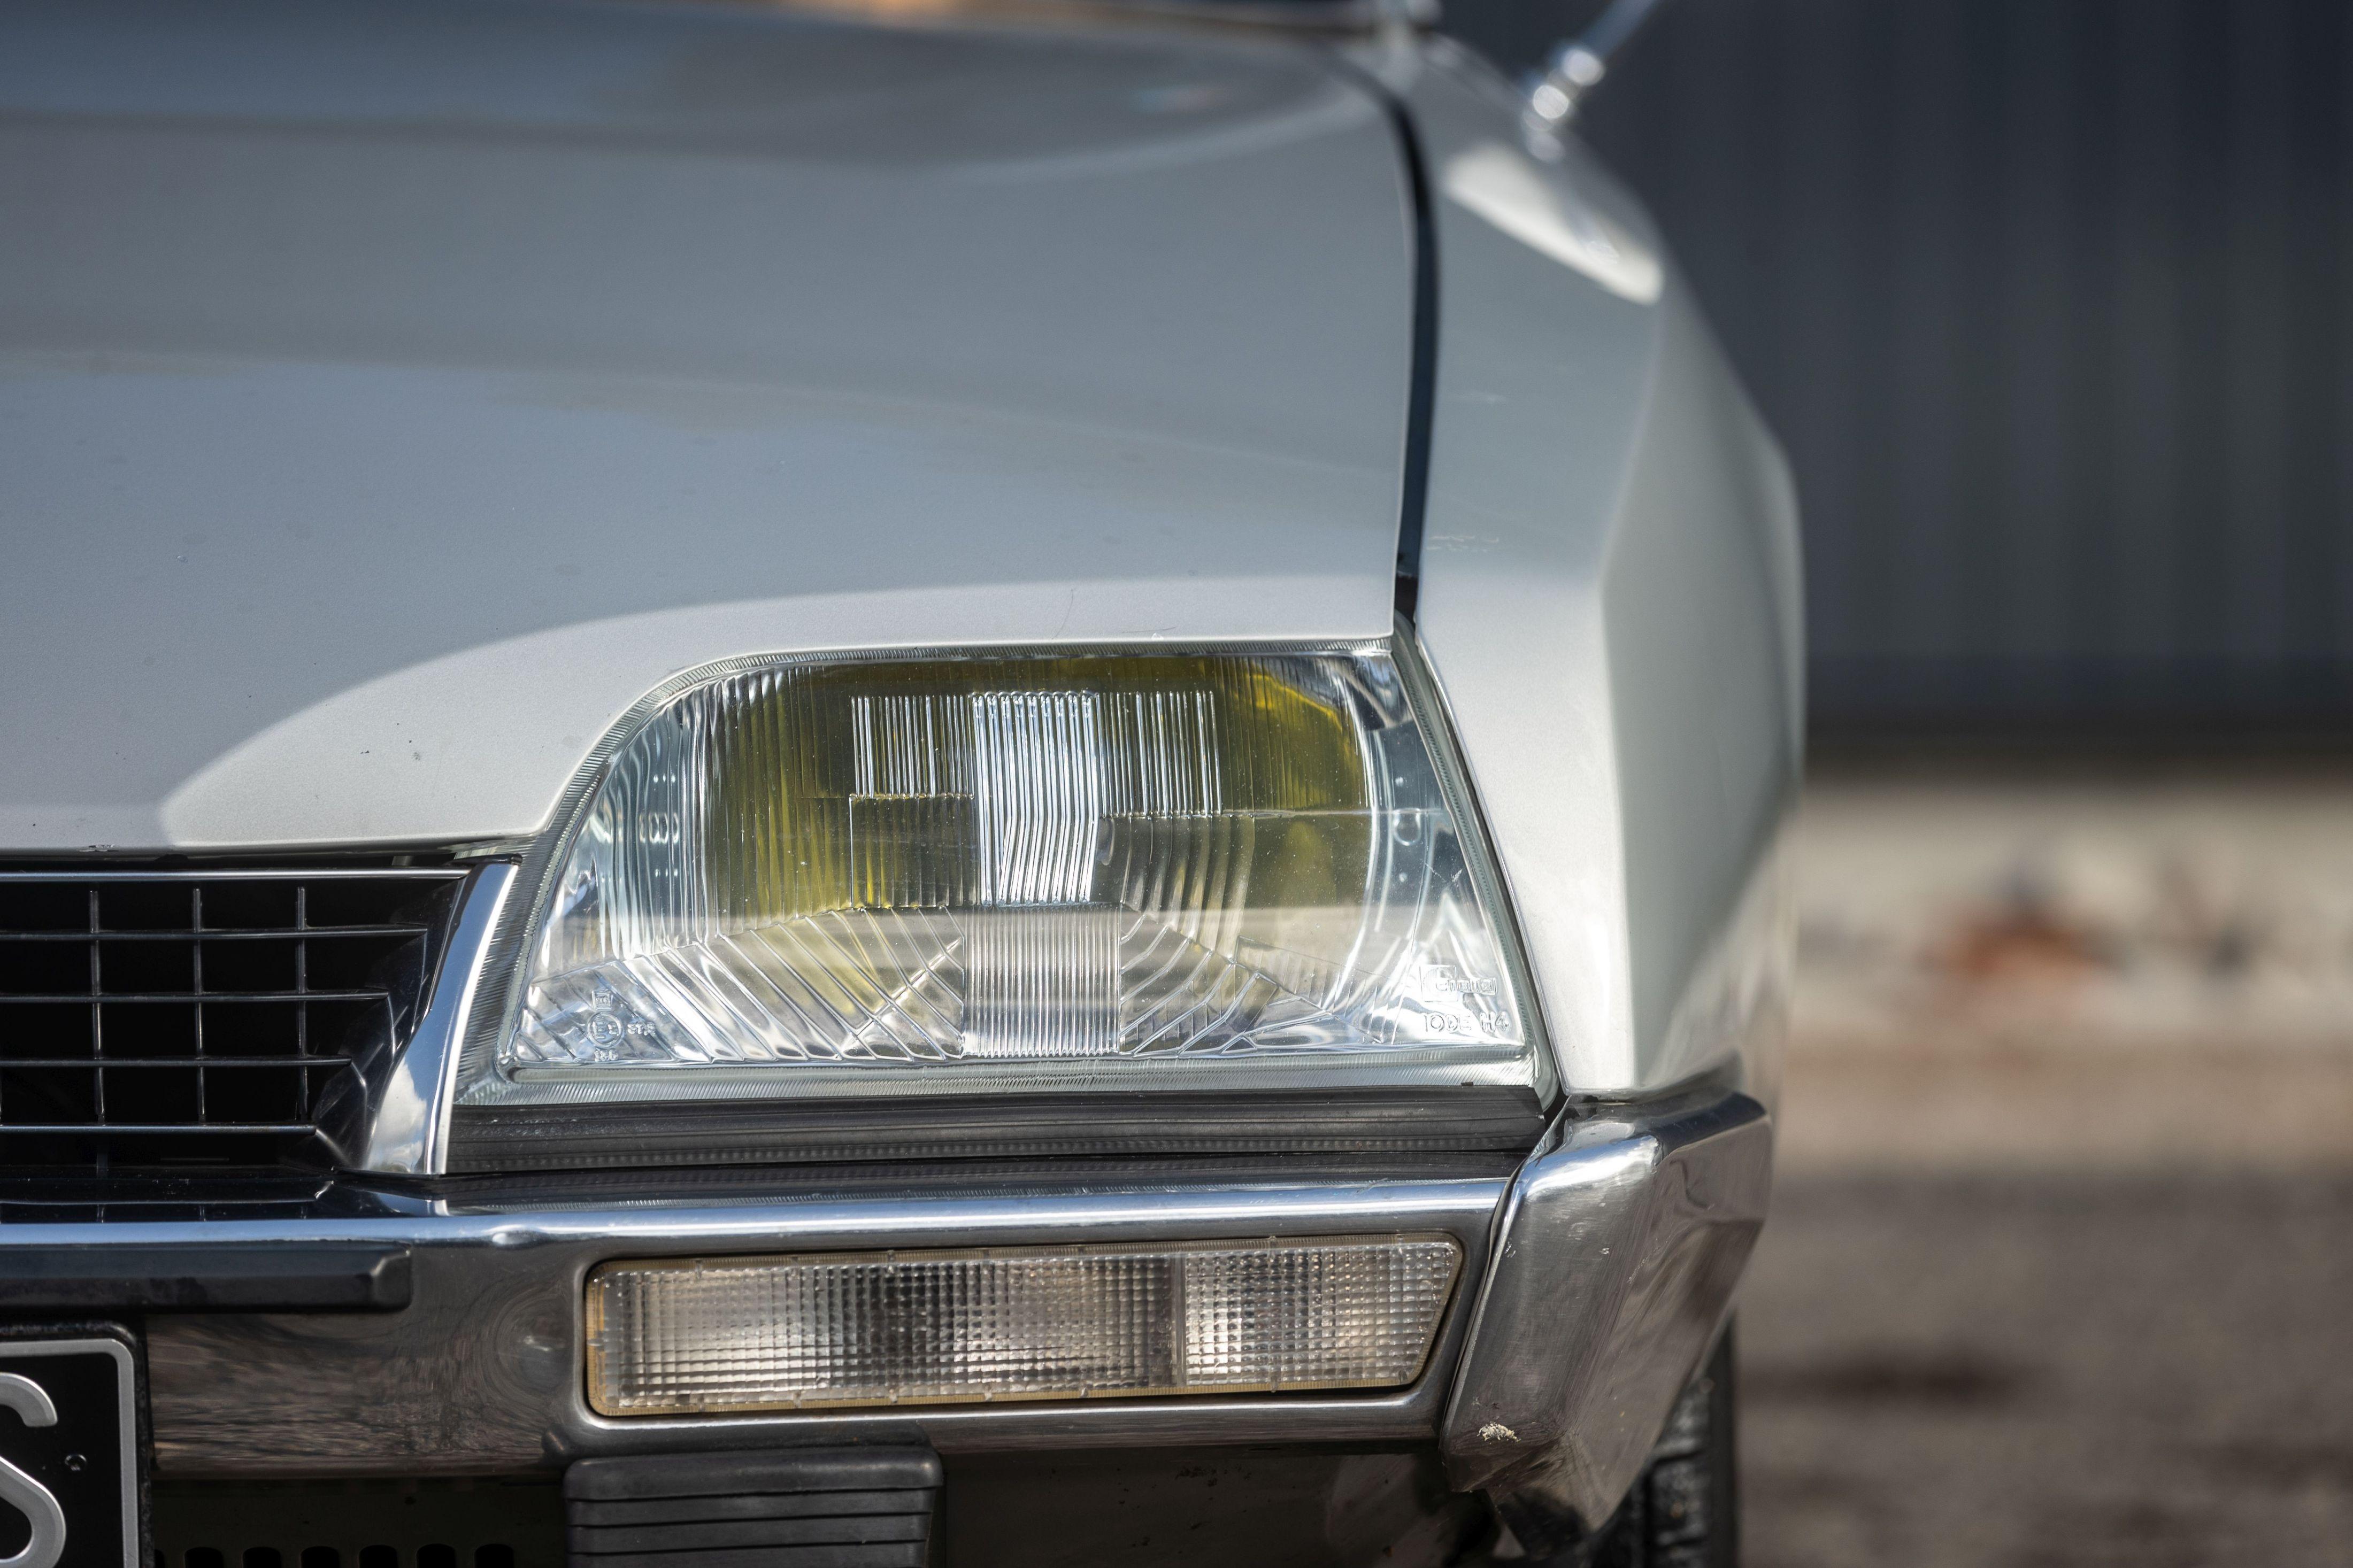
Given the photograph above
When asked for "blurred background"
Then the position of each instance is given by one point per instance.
(2052, 303)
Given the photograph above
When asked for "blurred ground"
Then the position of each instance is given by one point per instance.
(2061, 1267)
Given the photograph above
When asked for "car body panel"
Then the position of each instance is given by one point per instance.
(1609, 596)
(392, 393)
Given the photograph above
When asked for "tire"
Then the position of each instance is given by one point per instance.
(1684, 1509)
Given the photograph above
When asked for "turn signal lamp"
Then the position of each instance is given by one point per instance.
(744, 1334)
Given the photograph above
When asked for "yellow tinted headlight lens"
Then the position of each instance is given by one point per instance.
(991, 869)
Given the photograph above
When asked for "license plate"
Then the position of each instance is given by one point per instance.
(68, 1454)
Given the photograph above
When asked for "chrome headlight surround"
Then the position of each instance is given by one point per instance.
(570, 1028)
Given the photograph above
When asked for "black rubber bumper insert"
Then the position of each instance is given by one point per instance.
(493, 1139)
(284, 1277)
(793, 1508)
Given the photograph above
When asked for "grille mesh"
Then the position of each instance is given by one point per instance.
(358, 1524)
(191, 1020)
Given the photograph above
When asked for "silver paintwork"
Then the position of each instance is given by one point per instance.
(393, 392)
(409, 1134)
(1609, 592)
(1617, 1254)
(482, 1374)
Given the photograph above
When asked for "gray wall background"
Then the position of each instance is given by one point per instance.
(2048, 300)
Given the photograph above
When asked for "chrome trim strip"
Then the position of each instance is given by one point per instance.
(410, 1133)
(943, 1217)
(483, 1373)
(1613, 1269)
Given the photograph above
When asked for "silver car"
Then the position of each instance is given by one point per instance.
(793, 791)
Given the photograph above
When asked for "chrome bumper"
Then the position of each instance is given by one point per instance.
(1621, 1242)
(1553, 1371)
(482, 1373)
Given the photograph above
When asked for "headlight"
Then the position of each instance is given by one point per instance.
(891, 877)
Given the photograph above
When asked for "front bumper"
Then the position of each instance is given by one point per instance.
(1624, 1236)
(482, 1373)
(1593, 1281)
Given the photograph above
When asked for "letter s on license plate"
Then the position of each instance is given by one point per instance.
(69, 1456)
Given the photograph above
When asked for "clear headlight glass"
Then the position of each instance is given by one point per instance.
(1015, 872)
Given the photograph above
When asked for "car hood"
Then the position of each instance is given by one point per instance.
(392, 393)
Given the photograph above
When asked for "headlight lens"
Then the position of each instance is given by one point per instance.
(827, 877)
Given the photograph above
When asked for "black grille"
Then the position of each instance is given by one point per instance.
(358, 1524)
(170, 1021)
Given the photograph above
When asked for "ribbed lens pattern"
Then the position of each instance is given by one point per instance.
(766, 1333)
(1040, 983)
(1038, 777)
(1308, 1316)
